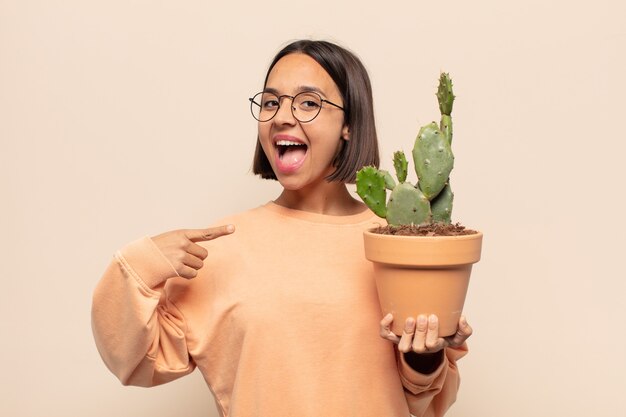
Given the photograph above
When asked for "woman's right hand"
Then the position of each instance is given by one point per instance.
(180, 248)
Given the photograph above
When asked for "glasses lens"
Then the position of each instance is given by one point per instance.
(306, 106)
(264, 106)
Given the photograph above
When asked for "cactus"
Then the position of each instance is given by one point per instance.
(370, 185)
(431, 199)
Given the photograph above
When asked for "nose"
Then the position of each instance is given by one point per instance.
(284, 115)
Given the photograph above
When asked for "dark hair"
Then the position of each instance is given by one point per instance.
(351, 78)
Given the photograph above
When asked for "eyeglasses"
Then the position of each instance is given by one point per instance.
(305, 106)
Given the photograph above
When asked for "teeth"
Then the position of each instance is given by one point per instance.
(288, 143)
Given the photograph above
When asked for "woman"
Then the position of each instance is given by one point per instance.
(281, 315)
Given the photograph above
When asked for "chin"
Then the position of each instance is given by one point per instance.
(290, 185)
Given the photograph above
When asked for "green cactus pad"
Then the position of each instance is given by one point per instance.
(433, 160)
(445, 96)
(370, 186)
(390, 183)
(446, 127)
(441, 206)
(401, 165)
(407, 205)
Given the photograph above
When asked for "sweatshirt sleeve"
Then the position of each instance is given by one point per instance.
(139, 333)
(431, 395)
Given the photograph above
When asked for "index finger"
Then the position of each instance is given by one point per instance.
(200, 235)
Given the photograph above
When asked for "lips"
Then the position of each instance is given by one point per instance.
(290, 153)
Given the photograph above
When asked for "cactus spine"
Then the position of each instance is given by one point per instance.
(431, 199)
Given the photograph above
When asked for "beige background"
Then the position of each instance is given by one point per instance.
(120, 119)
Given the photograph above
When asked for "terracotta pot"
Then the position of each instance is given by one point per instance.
(423, 275)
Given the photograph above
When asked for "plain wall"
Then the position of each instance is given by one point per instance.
(120, 119)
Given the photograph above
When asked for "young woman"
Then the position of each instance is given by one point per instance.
(281, 316)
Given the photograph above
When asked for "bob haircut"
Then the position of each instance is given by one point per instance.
(353, 83)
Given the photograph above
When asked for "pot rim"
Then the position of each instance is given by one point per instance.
(427, 251)
(458, 237)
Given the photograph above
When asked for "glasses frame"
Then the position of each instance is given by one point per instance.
(280, 99)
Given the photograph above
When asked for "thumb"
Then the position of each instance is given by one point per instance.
(199, 235)
(464, 331)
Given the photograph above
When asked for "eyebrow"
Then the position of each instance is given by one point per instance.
(300, 89)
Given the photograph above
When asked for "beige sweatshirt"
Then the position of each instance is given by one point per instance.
(282, 320)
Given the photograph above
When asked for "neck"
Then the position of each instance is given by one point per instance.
(325, 198)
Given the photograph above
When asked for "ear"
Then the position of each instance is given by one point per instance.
(345, 132)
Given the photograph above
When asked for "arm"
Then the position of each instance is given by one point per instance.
(139, 334)
(430, 395)
(427, 363)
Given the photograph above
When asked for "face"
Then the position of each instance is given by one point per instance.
(301, 154)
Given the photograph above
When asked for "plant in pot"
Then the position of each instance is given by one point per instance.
(422, 261)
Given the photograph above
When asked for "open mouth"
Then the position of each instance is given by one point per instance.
(291, 152)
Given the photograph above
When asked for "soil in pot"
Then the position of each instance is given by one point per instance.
(432, 229)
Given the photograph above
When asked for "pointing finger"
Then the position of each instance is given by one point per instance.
(200, 235)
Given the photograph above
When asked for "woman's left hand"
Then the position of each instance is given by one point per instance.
(422, 335)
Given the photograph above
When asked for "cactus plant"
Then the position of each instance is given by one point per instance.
(431, 199)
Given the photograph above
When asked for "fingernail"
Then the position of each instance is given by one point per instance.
(432, 319)
(389, 316)
(230, 228)
(421, 319)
